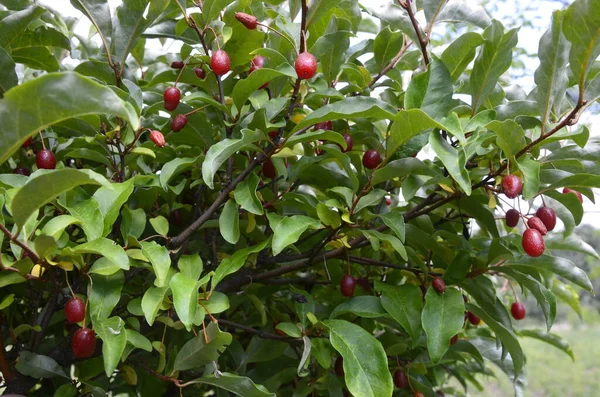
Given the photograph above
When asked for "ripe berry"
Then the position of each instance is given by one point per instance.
(533, 243)
(518, 311)
(536, 223)
(512, 217)
(200, 73)
(45, 159)
(388, 201)
(512, 186)
(220, 62)
(371, 159)
(454, 339)
(347, 285)
(75, 310)
(268, 169)
(172, 96)
(83, 343)
(579, 196)
(548, 216)
(306, 65)
(349, 143)
(249, 21)
(439, 285)
(473, 319)
(22, 171)
(158, 138)
(257, 63)
(177, 64)
(324, 125)
(27, 143)
(339, 367)
(179, 122)
(400, 379)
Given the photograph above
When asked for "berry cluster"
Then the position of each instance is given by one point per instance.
(83, 343)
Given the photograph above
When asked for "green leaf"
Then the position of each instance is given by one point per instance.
(491, 351)
(442, 317)
(229, 222)
(403, 167)
(51, 98)
(246, 87)
(220, 152)
(364, 358)
(235, 262)
(395, 221)
(289, 230)
(138, 340)
(531, 174)
(432, 8)
(212, 8)
(261, 350)
(160, 225)
(37, 58)
(576, 181)
(196, 352)
(454, 160)
(349, 108)
(373, 198)
(431, 91)
(105, 247)
(567, 294)
(114, 339)
(551, 76)
(465, 11)
(460, 53)
(42, 36)
(44, 185)
(361, 306)
(329, 49)
(549, 338)
(493, 60)
(88, 215)
(110, 200)
(290, 329)
(98, 12)
(581, 27)
(14, 24)
(104, 294)
(133, 222)
(7, 301)
(191, 266)
(245, 195)
(570, 243)
(8, 78)
(151, 301)
(239, 385)
(88, 154)
(217, 303)
(319, 8)
(328, 216)
(38, 366)
(459, 268)
(386, 46)
(185, 298)
(10, 278)
(159, 257)
(175, 167)
(510, 136)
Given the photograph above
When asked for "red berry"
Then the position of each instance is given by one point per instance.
(83, 343)
(158, 138)
(200, 73)
(548, 216)
(512, 186)
(324, 125)
(22, 171)
(579, 196)
(179, 122)
(512, 217)
(27, 143)
(257, 63)
(347, 285)
(172, 96)
(400, 379)
(418, 394)
(388, 201)
(453, 340)
(249, 21)
(75, 310)
(371, 159)
(364, 283)
(349, 143)
(536, 223)
(306, 65)
(45, 159)
(220, 62)
(473, 319)
(268, 169)
(518, 311)
(177, 64)
(439, 285)
(533, 242)
(339, 367)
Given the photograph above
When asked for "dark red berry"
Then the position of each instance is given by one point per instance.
(349, 143)
(339, 367)
(22, 171)
(465, 299)
(179, 122)
(548, 216)
(324, 125)
(536, 223)
(200, 73)
(172, 96)
(364, 283)
(75, 310)
(439, 285)
(27, 143)
(400, 379)
(371, 159)
(83, 343)
(177, 64)
(388, 201)
(220, 62)
(306, 65)
(512, 186)
(347, 285)
(518, 311)
(249, 21)
(533, 243)
(158, 138)
(578, 194)
(257, 63)
(45, 159)
(512, 217)
(453, 340)
(268, 169)
(473, 319)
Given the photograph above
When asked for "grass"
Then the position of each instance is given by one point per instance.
(550, 372)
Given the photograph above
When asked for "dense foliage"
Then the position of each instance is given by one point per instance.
(306, 200)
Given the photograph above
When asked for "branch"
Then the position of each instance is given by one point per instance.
(374, 262)
(422, 41)
(259, 333)
(24, 247)
(392, 63)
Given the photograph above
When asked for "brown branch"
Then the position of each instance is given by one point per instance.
(422, 41)
(23, 246)
(392, 63)
(374, 262)
(257, 332)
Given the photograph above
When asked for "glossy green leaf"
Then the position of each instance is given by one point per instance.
(442, 318)
(465, 11)
(395, 221)
(212, 8)
(559, 266)
(104, 294)
(361, 306)
(318, 9)
(185, 298)
(581, 27)
(239, 385)
(114, 339)
(160, 260)
(328, 216)
(550, 338)
(568, 295)
(329, 50)
(570, 243)
(107, 248)
(261, 350)
(98, 12)
(386, 46)
(531, 175)
(160, 225)
(364, 358)
(38, 366)
(510, 136)
(235, 262)
(460, 53)
(404, 303)
(196, 352)
(151, 301)
(138, 340)
(88, 215)
(289, 230)
(290, 329)
(133, 222)
(8, 78)
(175, 167)
(10, 278)
(110, 200)
(454, 160)
(245, 195)
(191, 266)
(229, 222)
(246, 87)
(373, 198)
(15, 23)
(431, 91)
(51, 98)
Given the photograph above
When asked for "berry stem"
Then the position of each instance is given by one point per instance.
(195, 110)
(42, 139)
(69, 285)
(216, 36)
(280, 34)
